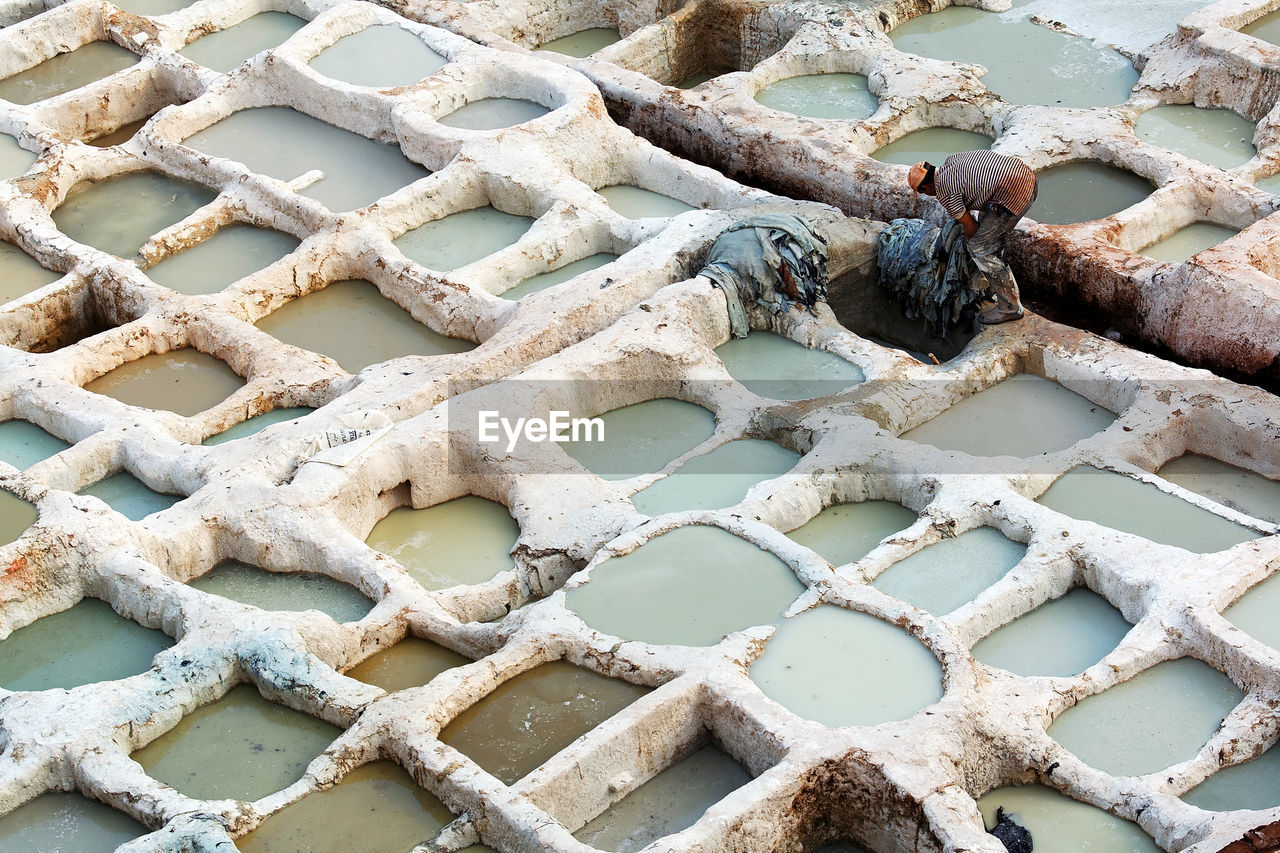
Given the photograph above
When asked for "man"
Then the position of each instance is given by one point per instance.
(1002, 188)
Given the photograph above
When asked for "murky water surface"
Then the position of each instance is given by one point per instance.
(23, 444)
(1266, 28)
(380, 56)
(239, 747)
(1122, 503)
(127, 495)
(1237, 488)
(1254, 784)
(1059, 824)
(847, 532)
(717, 479)
(934, 144)
(284, 590)
(883, 674)
(14, 159)
(120, 135)
(643, 438)
(16, 515)
(118, 215)
(493, 114)
(531, 717)
(558, 276)
(1065, 636)
(66, 823)
(1085, 190)
(1160, 717)
(639, 203)
(463, 541)
(381, 810)
(1255, 612)
(228, 256)
(282, 143)
(154, 7)
(412, 662)
(689, 586)
(20, 273)
(66, 71)
(951, 572)
(185, 381)
(667, 803)
(781, 369)
(1220, 138)
(1192, 240)
(462, 238)
(86, 643)
(355, 325)
(257, 423)
(829, 96)
(1023, 416)
(584, 42)
(1026, 63)
(227, 49)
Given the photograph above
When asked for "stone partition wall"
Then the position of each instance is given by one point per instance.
(641, 328)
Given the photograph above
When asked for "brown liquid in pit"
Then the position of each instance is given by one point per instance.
(185, 381)
(409, 663)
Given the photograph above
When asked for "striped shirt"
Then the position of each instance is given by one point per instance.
(971, 180)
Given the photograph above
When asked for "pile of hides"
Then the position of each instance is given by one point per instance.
(772, 260)
(944, 294)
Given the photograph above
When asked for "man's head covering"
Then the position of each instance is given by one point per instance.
(919, 172)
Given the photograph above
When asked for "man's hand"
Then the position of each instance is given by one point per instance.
(969, 224)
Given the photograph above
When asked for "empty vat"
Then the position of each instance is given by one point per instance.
(1160, 717)
(283, 143)
(257, 423)
(381, 56)
(584, 42)
(1062, 637)
(66, 71)
(779, 368)
(643, 438)
(120, 135)
(409, 663)
(529, 718)
(293, 591)
(1026, 63)
(669, 802)
(14, 159)
(239, 747)
(493, 114)
(1186, 242)
(558, 276)
(638, 203)
(1059, 824)
(463, 541)
(229, 255)
(23, 444)
(847, 532)
(1266, 28)
(828, 96)
(227, 49)
(185, 381)
(942, 576)
(86, 643)
(1254, 612)
(1023, 416)
(119, 214)
(842, 847)
(717, 479)
(1237, 488)
(934, 144)
(1132, 506)
(689, 586)
(60, 821)
(1255, 784)
(1085, 190)
(355, 325)
(129, 496)
(1220, 138)
(20, 273)
(376, 807)
(462, 238)
(840, 667)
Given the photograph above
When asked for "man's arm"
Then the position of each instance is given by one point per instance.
(969, 224)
